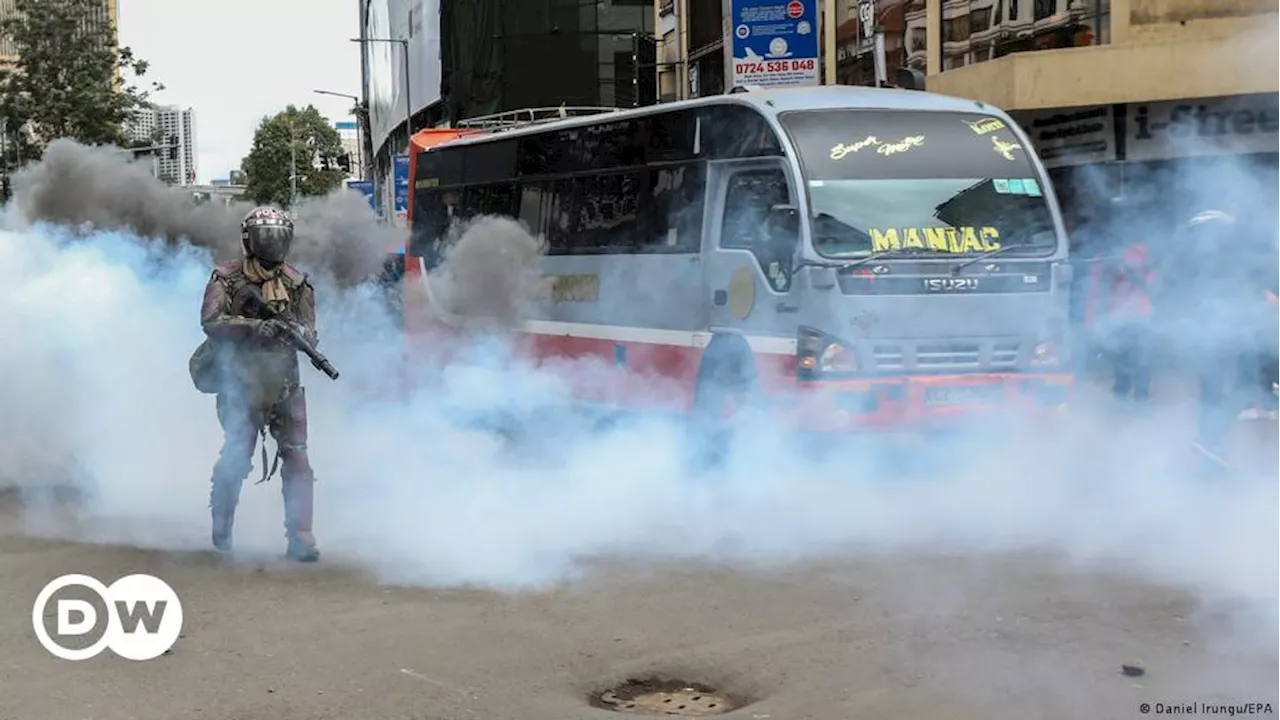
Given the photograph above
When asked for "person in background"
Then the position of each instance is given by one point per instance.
(1210, 306)
(1088, 227)
(1128, 313)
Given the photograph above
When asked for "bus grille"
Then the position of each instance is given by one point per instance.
(945, 356)
(1005, 355)
(950, 355)
(889, 357)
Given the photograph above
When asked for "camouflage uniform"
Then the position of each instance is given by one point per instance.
(260, 389)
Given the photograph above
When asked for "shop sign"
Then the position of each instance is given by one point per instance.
(1237, 125)
(1072, 136)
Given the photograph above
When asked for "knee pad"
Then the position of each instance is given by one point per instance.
(296, 466)
(231, 469)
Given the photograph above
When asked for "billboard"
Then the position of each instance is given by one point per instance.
(775, 43)
(401, 175)
(419, 22)
(364, 187)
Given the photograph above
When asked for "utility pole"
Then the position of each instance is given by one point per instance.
(682, 65)
(359, 125)
(293, 165)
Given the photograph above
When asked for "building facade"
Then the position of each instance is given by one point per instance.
(219, 192)
(1161, 103)
(108, 14)
(349, 134)
(468, 58)
(163, 127)
(1125, 99)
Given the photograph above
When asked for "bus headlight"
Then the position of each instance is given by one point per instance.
(1045, 354)
(838, 359)
(818, 352)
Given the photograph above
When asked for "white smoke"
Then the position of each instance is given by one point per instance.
(474, 472)
(99, 397)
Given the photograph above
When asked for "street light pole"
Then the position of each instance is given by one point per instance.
(359, 123)
(293, 166)
(408, 99)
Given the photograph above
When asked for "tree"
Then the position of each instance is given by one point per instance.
(69, 78)
(304, 139)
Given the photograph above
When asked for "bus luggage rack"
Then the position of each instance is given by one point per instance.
(530, 116)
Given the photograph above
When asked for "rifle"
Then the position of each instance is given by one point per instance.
(253, 303)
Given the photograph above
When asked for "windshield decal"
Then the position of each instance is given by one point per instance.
(842, 150)
(957, 240)
(985, 125)
(1017, 186)
(1005, 149)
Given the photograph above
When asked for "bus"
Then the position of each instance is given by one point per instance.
(848, 258)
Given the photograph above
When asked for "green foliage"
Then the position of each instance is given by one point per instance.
(302, 131)
(69, 78)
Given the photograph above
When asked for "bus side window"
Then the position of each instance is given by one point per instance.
(607, 213)
(677, 205)
(472, 205)
(501, 201)
(746, 209)
(430, 222)
(531, 207)
(558, 216)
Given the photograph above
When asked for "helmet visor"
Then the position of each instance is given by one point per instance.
(270, 243)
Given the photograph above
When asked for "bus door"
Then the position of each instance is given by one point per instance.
(751, 248)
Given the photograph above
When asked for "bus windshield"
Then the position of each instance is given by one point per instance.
(919, 183)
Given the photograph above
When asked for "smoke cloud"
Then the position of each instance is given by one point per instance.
(489, 271)
(413, 486)
(103, 189)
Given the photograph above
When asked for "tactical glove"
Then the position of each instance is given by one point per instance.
(267, 329)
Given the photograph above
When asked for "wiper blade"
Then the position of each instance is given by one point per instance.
(979, 258)
(911, 252)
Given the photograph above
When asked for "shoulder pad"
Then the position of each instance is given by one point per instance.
(293, 275)
(228, 269)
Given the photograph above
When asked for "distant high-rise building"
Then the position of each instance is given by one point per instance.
(349, 131)
(108, 13)
(166, 126)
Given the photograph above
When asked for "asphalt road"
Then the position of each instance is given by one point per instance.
(894, 637)
(891, 638)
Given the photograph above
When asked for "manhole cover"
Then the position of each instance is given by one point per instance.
(665, 697)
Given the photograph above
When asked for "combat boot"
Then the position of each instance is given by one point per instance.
(223, 498)
(298, 494)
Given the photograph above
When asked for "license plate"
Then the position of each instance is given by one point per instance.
(963, 394)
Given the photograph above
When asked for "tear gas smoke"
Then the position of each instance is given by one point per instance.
(492, 274)
(103, 189)
(97, 387)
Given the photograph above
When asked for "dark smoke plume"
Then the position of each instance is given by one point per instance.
(489, 271)
(103, 189)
